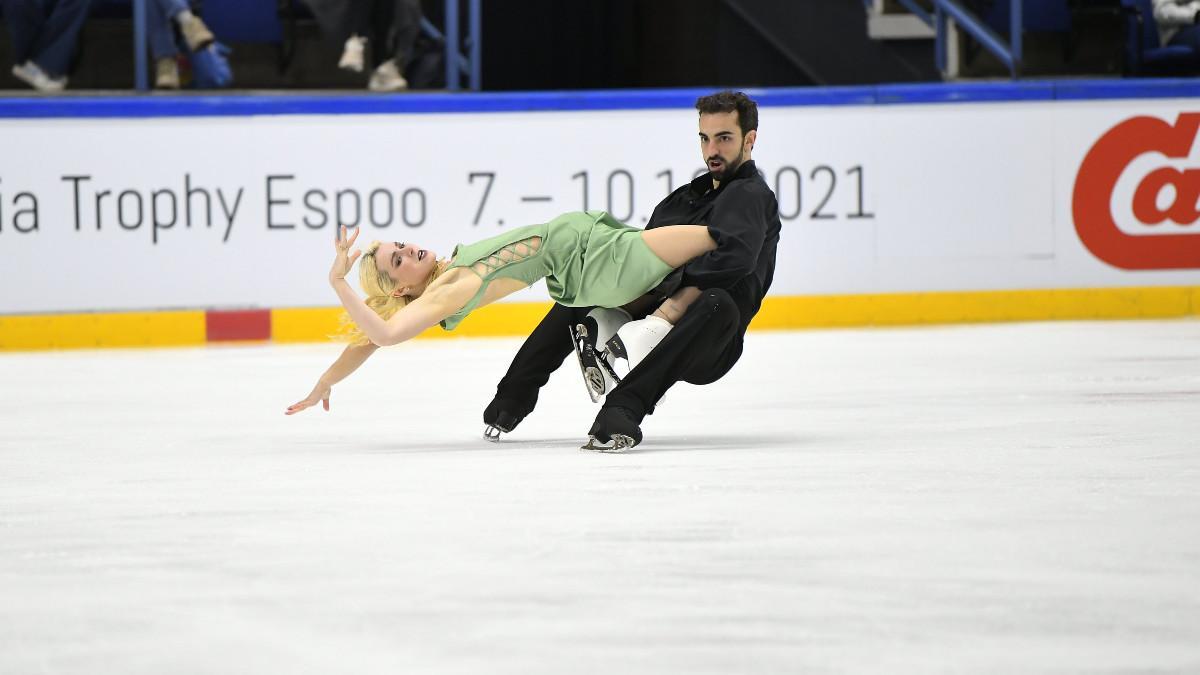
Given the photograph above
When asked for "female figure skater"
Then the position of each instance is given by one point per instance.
(587, 258)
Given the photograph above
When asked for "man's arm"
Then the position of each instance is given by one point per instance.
(738, 224)
(674, 307)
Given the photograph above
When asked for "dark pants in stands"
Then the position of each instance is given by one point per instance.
(45, 31)
(160, 27)
(391, 26)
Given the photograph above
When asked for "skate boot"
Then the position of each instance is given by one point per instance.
(613, 431)
(589, 337)
(503, 415)
(634, 341)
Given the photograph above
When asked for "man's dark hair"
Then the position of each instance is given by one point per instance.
(730, 101)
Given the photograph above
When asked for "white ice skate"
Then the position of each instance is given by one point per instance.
(634, 341)
(589, 338)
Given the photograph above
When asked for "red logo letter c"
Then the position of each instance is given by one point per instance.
(1098, 175)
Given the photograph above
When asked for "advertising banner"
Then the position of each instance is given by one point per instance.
(229, 212)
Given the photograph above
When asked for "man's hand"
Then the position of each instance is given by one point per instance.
(319, 393)
(677, 305)
(343, 260)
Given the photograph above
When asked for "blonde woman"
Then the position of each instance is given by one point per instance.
(587, 258)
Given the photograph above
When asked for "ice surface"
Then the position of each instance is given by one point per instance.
(986, 499)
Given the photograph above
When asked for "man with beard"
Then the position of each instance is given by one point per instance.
(718, 293)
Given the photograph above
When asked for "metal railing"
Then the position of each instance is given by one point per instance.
(943, 10)
(1009, 54)
(457, 64)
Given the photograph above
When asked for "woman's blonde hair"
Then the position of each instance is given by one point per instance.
(380, 291)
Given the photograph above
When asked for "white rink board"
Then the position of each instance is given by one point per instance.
(877, 198)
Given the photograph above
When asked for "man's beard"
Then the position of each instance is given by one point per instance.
(731, 167)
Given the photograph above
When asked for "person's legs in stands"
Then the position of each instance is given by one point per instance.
(406, 26)
(44, 34)
(193, 29)
(161, 36)
(403, 24)
(24, 19)
(55, 43)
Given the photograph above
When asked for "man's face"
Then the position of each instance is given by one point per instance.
(722, 145)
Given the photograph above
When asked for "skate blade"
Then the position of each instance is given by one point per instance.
(492, 433)
(595, 383)
(619, 443)
(593, 379)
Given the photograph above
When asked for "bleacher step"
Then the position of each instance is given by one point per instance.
(898, 27)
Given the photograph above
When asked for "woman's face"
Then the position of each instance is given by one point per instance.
(406, 264)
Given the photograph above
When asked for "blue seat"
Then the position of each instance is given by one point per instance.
(231, 20)
(244, 20)
(1143, 54)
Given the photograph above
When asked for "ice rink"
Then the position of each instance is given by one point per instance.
(1020, 498)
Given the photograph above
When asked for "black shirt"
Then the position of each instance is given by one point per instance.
(742, 216)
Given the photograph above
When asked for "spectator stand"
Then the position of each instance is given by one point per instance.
(259, 21)
(1143, 54)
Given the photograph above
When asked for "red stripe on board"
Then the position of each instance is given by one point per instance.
(249, 324)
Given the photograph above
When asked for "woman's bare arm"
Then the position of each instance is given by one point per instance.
(424, 312)
(351, 358)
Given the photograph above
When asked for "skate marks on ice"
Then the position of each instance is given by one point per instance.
(672, 442)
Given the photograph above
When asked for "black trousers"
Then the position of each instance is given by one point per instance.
(45, 31)
(700, 349)
(391, 25)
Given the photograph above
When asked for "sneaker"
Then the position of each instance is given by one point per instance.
(387, 77)
(195, 33)
(352, 54)
(166, 73)
(32, 74)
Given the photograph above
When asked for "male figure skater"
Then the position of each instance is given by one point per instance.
(725, 288)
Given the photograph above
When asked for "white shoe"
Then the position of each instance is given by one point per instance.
(166, 73)
(195, 33)
(387, 77)
(32, 74)
(635, 340)
(352, 54)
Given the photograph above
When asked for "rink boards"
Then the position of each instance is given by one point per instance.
(180, 220)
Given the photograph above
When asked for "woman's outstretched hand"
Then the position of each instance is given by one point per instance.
(344, 259)
(319, 393)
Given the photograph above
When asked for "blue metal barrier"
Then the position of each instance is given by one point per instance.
(1009, 54)
(140, 78)
(918, 11)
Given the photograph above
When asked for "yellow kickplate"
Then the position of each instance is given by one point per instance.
(317, 324)
(85, 331)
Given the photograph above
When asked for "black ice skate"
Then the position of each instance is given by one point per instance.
(502, 416)
(613, 431)
(589, 337)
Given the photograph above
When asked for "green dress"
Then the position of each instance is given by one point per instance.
(587, 258)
